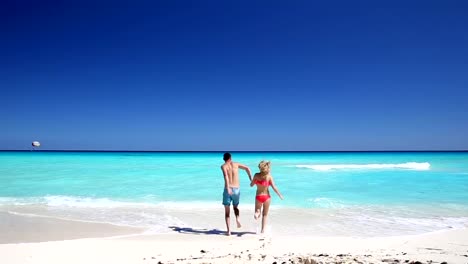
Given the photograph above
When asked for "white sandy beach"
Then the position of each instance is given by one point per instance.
(186, 245)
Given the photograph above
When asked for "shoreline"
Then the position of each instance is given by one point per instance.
(23, 229)
(34, 221)
(36, 235)
(164, 219)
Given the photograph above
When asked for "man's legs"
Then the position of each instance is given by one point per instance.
(236, 212)
(227, 210)
(227, 203)
(235, 202)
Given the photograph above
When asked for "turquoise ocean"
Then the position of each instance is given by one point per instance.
(326, 193)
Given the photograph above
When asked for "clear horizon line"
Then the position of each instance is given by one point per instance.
(221, 151)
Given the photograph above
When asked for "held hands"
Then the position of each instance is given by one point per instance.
(229, 191)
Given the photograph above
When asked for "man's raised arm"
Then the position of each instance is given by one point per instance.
(242, 166)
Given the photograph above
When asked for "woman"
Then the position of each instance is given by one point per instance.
(263, 180)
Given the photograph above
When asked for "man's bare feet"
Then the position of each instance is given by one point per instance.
(257, 214)
(228, 233)
(238, 223)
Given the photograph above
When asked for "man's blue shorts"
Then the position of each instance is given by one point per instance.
(234, 197)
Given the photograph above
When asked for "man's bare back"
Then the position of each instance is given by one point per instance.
(232, 171)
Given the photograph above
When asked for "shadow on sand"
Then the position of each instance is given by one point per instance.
(189, 230)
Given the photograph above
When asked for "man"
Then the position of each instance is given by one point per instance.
(231, 188)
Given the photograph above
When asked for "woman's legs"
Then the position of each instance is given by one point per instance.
(266, 208)
(258, 207)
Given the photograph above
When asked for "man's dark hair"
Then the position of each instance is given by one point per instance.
(226, 156)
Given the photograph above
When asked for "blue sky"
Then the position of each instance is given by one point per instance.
(242, 75)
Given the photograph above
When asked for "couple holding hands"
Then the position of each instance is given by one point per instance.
(263, 180)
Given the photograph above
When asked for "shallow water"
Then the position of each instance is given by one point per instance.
(326, 193)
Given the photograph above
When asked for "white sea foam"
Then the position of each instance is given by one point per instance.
(69, 201)
(328, 220)
(62, 201)
(328, 216)
(395, 225)
(87, 202)
(407, 165)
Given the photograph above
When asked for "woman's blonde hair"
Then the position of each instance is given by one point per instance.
(264, 166)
